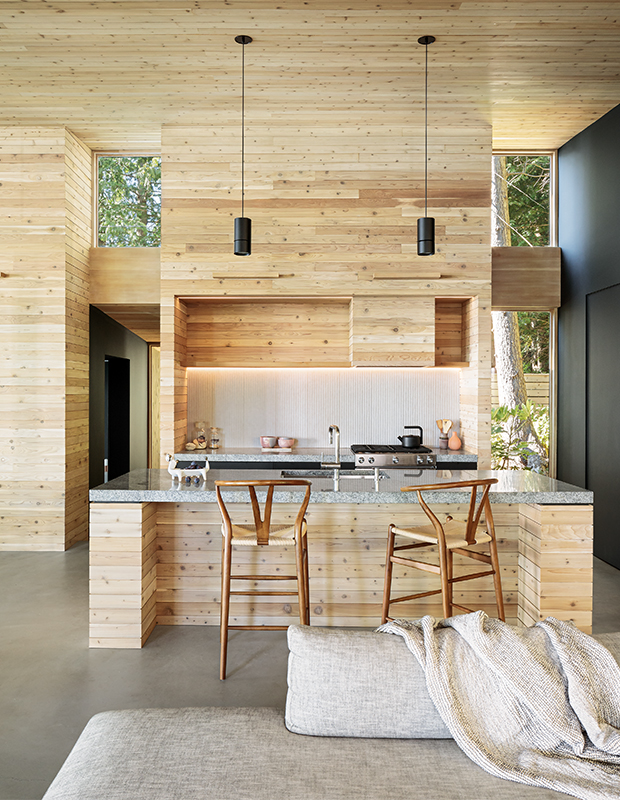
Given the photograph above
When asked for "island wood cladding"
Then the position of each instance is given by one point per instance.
(46, 190)
(346, 544)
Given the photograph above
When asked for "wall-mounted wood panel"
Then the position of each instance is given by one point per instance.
(450, 333)
(124, 275)
(78, 199)
(393, 331)
(268, 333)
(143, 320)
(526, 278)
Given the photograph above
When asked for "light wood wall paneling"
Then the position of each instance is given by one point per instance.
(143, 320)
(392, 331)
(526, 278)
(124, 275)
(268, 333)
(154, 406)
(78, 234)
(33, 322)
(555, 556)
(123, 570)
(173, 386)
(476, 380)
(450, 333)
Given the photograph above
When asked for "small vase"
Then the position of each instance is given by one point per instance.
(454, 443)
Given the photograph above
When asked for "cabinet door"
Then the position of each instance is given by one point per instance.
(392, 331)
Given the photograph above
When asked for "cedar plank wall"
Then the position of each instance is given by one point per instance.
(43, 339)
(78, 236)
(334, 214)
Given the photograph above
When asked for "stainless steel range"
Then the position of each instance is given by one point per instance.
(393, 456)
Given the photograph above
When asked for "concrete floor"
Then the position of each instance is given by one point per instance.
(51, 683)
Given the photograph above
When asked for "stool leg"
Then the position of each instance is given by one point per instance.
(450, 565)
(387, 580)
(307, 579)
(301, 578)
(445, 586)
(225, 603)
(497, 581)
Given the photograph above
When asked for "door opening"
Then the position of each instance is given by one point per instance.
(117, 426)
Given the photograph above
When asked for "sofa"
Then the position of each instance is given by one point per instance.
(358, 724)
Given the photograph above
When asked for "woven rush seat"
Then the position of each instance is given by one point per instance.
(279, 536)
(455, 534)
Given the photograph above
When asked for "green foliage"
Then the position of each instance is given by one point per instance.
(534, 339)
(508, 450)
(528, 199)
(129, 201)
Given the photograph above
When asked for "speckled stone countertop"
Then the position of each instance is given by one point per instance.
(156, 485)
(305, 454)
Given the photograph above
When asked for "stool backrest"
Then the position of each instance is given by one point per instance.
(475, 507)
(261, 523)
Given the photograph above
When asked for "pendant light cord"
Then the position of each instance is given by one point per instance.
(243, 128)
(426, 134)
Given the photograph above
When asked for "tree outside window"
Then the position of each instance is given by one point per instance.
(129, 201)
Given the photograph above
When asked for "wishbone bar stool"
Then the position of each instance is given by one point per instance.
(449, 537)
(262, 534)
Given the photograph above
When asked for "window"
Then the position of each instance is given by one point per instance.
(522, 200)
(128, 201)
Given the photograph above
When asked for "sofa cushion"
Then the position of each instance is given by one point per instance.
(247, 754)
(346, 682)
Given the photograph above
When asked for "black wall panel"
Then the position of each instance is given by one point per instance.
(589, 235)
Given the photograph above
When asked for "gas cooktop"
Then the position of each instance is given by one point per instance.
(388, 448)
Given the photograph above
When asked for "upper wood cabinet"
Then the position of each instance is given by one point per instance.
(392, 332)
(525, 278)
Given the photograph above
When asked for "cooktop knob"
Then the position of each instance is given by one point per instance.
(394, 459)
(371, 459)
(360, 460)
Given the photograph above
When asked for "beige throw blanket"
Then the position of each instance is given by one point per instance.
(537, 705)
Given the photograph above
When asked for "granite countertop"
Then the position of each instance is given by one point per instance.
(306, 454)
(156, 485)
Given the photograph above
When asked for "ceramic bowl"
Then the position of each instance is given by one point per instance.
(268, 441)
(284, 441)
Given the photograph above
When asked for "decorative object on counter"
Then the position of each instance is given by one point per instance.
(454, 443)
(214, 441)
(285, 441)
(409, 440)
(426, 224)
(190, 446)
(194, 471)
(444, 426)
(268, 441)
(243, 225)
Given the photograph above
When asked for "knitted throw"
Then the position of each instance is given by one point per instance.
(538, 705)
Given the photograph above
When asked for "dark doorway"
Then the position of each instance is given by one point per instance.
(602, 428)
(117, 430)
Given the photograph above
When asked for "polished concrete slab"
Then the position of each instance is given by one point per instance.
(51, 683)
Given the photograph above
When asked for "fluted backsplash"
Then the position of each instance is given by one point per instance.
(369, 405)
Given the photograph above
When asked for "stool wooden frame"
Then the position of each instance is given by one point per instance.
(449, 537)
(259, 535)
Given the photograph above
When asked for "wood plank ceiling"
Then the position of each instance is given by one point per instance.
(114, 72)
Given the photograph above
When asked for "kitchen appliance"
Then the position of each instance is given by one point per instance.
(393, 456)
(408, 440)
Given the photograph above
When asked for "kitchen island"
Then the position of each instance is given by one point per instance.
(155, 550)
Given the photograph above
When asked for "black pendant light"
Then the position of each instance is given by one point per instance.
(426, 224)
(243, 225)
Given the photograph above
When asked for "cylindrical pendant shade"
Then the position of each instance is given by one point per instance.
(243, 236)
(426, 236)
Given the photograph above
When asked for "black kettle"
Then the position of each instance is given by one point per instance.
(409, 440)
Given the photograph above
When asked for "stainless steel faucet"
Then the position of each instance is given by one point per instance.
(334, 438)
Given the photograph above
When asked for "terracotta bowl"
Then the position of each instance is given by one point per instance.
(268, 441)
(283, 441)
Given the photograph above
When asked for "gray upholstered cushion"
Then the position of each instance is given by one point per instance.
(343, 682)
(247, 754)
